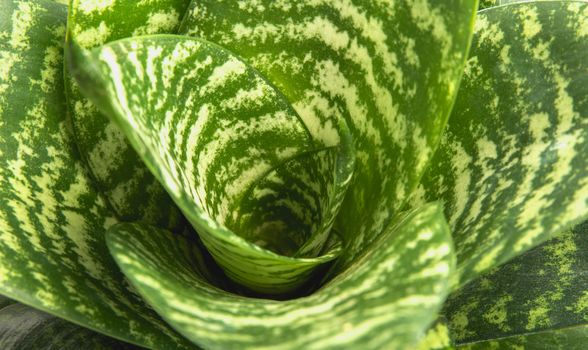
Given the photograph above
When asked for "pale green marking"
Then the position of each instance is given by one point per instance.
(111, 145)
(489, 258)
(89, 7)
(538, 125)
(459, 321)
(486, 150)
(538, 314)
(461, 166)
(310, 108)
(498, 313)
(436, 338)
(93, 36)
(159, 22)
(23, 20)
(426, 18)
(531, 25)
(581, 306)
(489, 32)
(222, 74)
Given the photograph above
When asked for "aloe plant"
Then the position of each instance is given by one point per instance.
(313, 174)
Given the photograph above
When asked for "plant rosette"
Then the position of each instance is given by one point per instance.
(293, 175)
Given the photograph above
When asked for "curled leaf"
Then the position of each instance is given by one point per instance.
(386, 299)
(214, 133)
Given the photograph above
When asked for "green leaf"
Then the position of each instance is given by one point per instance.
(492, 3)
(4, 302)
(543, 292)
(390, 68)
(512, 168)
(22, 327)
(232, 153)
(52, 221)
(571, 338)
(437, 337)
(116, 169)
(388, 298)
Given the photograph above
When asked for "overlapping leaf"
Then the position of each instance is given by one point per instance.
(22, 327)
(215, 133)
(512, 166)
(539, 298)
(117, 171)
(390, 68)
(52, 221)
(406, 271)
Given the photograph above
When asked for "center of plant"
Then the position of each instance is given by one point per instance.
(231, 152)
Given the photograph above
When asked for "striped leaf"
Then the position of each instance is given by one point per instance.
(232, 153)
(512, 168)
(52, 221)
(390, 68)
(538, 300)
(386, 299)
(24, 328)
(116, 169)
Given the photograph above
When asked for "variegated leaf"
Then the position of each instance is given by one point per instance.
(491, 3)
(116, 169)
(232, 153)
(390, 68)
(386, 299)
(24, 328)
(52, 221)
(537, 300)
(437, 337)
(512, 168)
(569, 338)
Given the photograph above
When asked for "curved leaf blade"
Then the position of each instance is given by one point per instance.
(52, 221)
(117, 171)
(405, 271)
(209, 127)
(512, 166)
(390, 68)
(22, 327)
(543, 291)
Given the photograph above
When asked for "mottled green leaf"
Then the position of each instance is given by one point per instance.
(512, 168)
(24, 328)
(570, 338)
(390, 68)
(116, 169)
(52, 221)
(388, 297)
(540, 291)
(233, 154)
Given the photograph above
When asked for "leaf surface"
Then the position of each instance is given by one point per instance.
(52, 220)
(230, 150)
(512, 168)
(22, 327)
(386, 299)
(390, 68)
(116, 169)
(538, 297)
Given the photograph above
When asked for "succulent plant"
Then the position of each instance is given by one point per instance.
(293, 175)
